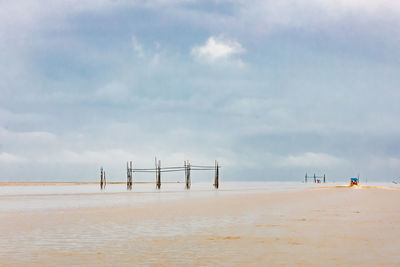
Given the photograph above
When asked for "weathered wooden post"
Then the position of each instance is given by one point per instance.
(185, 168)
(127, 175)
(305, 178)
(131, 175)
(158, 177)
(187, 175)
(216, 179)
(315, 178)
(104, 180)
(129, 171)
(101, 178)
(156, 169)
(324, 178)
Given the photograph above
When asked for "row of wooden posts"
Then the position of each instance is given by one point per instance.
(315, 178)
(187, 168)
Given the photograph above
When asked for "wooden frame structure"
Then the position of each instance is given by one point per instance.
(187, 168)
(315, 178)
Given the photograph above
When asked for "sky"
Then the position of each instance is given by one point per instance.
(270, 89)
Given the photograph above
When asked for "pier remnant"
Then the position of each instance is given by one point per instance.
(187, 174)
(157, 169)
(158, 174)
(315, 177)
(129, 175)
(102, 179)
(216, 179)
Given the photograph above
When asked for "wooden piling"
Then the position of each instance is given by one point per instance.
(315, 178)
(185, 167)
(101, 178)
(324, 178)
(216, 179)
(104, 180)
(129, 175)
(129, 169)
(305, 178)
(158, 174)
(187, 174)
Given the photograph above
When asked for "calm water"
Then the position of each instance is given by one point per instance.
(57, 233)
(19, 198)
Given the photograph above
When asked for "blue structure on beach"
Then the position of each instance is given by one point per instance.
(353, 181)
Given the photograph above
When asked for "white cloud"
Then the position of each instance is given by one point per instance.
(7, 116)
(110, 156)
(311, 159)
(29, 137)
(10, 158)
(114, 92)
(137, 47)
(269, 16)
(217, 48)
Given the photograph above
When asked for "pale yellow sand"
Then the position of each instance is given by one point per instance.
(341, 226)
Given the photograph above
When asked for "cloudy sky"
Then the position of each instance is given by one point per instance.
(272, 89)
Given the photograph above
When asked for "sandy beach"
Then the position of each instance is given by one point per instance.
(326, 226)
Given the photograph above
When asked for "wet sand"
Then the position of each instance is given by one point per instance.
(332, 226)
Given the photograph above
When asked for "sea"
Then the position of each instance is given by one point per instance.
(64, 196)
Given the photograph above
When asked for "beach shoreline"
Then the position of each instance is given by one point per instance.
(327, 226)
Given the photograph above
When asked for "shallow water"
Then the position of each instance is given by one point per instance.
(41, 197)
(78, 224)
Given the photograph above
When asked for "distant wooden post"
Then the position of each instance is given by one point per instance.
(129, 175)
(305, 178)
(216, 179)
(315, 178)
(324, 178)
(158, 174)
(104, 180)
(187, 175)
(185, 167)
(101, 178)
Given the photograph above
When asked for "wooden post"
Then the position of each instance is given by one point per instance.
(127, 175)
(129, 171)
(101, 178)
(216, 179)
(315, 178)
(185, 167)
(158, 178)
(305, 178)
(131, 176)
(187, 179)
(104, 180)
(156, 168)
(187, 175)
(324, 178)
